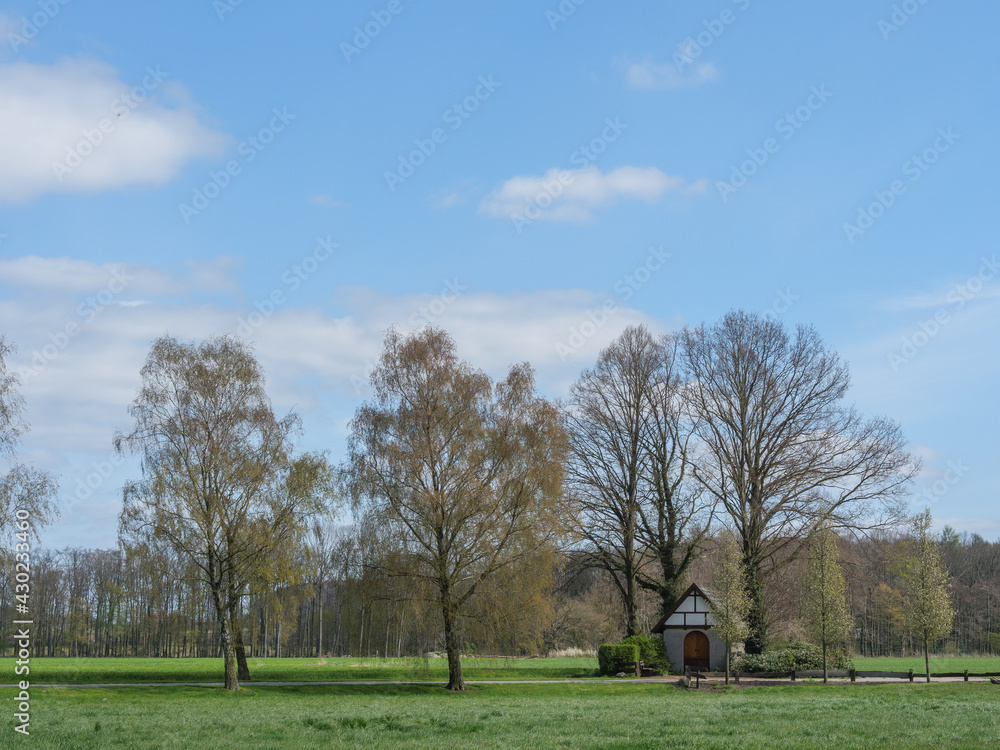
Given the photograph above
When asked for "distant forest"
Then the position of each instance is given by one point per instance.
(108, 603)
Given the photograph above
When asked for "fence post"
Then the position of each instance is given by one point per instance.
(854, 674)
(736, 678)
(966, 676)
(793, 675)
(911, 675)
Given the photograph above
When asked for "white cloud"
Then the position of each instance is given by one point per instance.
(650, 75)
(53, 111)
(75, 276)
(572, 195)
(78, 387)
(444, 199)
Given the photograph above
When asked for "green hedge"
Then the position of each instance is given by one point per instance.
(797, 656)
(617, 657)
(652, 652)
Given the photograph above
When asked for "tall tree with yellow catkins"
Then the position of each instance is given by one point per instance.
(730, 596)
(825, 595)
(929, 610)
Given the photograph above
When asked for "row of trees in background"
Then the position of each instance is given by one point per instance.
(145, 602)
(489, 515)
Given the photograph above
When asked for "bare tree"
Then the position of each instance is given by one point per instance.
(673, 519)
(627, 469)
(783, 454)
(21, 487)
(318, 560)
(466, 473)
(220, 483)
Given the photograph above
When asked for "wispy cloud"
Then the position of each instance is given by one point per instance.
(33, 275)
(326, 200)
(650, 75)
(573, 195)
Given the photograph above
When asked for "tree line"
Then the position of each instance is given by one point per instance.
(94, 602)
(484, 514)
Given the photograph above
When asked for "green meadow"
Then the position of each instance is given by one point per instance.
(555, 715)
(96, 670)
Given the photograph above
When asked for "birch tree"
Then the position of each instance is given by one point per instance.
(220, 483)
(465, 473)
(825, 595)
(929, 610)
(21, 487)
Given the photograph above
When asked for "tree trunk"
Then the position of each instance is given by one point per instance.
(631, 626)
(226, 637)
(824, 661)
(927, 658)
(228, 653)
(729, 648)
(756, 642)
(319, 640)
(455, 679)
(236, 623)
(241, 654)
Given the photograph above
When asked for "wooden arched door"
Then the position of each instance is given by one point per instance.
(696, 651)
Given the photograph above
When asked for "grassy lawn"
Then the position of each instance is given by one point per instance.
(974, 664)
(89, 670)
(954, 715)
(56, 670)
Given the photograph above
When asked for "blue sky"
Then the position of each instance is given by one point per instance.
(531, 176)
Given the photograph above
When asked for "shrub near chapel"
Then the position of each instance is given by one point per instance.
(613, 658)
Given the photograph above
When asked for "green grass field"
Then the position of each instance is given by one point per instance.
(975, 664)
(89, 670)
(92, 670)
(540, 717)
